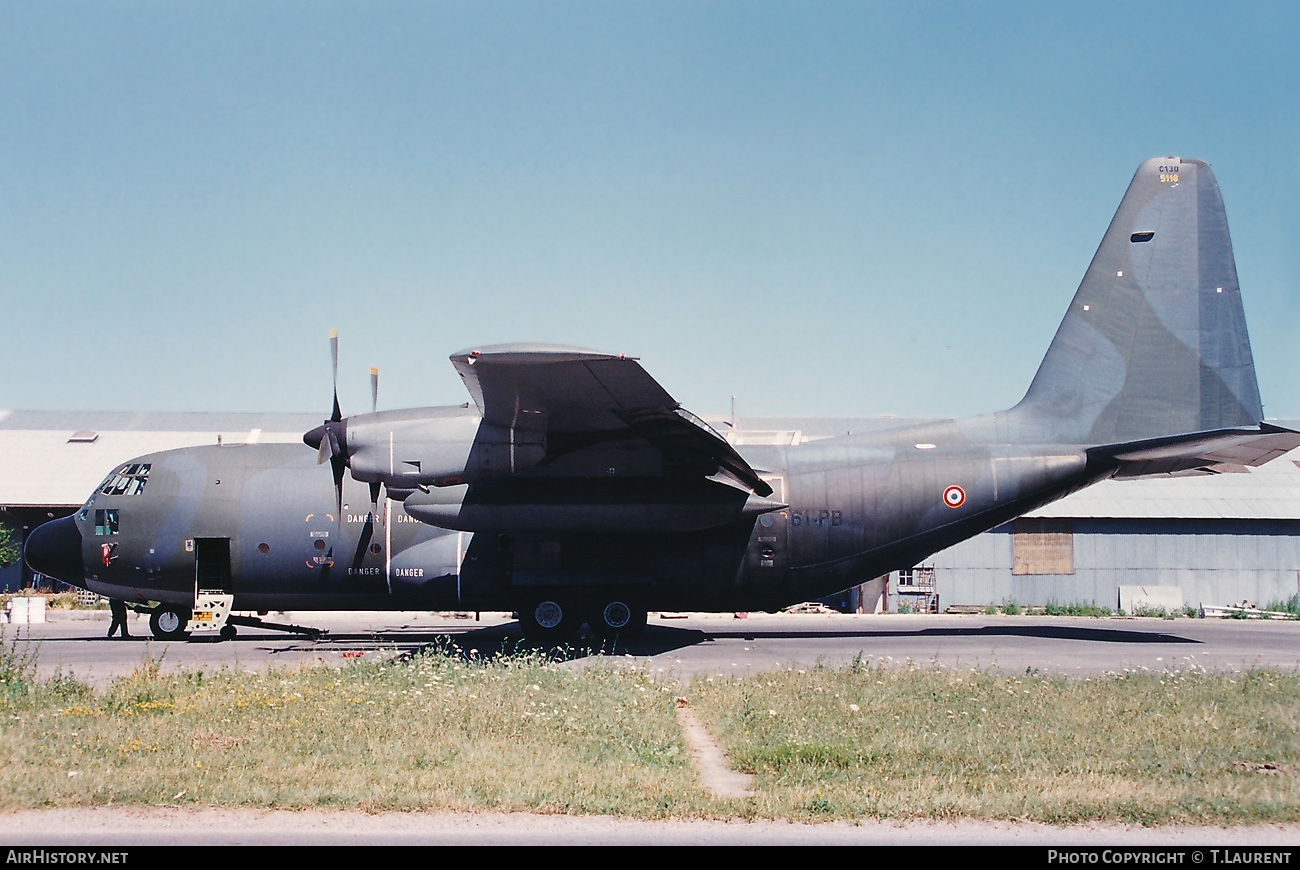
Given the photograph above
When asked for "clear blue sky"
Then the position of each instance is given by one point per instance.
(822, 207)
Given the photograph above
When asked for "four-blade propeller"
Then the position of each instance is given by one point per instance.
(330, 438)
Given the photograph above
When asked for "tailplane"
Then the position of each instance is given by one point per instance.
(1154, 343)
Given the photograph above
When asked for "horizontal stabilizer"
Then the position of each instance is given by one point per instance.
(1201, 452)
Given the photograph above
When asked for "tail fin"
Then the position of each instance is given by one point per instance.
(1154, 343)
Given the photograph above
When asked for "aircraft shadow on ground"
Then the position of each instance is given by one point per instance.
(490, 642)
(1046, 632)
(468, 643)
(507, 639)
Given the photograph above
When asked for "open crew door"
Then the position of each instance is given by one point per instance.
(212, 565)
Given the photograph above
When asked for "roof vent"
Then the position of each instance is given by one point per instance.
(85, 436)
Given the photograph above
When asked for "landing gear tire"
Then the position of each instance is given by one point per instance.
(548, 618)
(617, 617)
(228, 632)
(168, 622)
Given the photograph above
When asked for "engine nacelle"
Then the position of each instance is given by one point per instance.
(588, 506)
(436, 447)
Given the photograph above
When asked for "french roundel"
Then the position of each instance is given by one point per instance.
(954, 496)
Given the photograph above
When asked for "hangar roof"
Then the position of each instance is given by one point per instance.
(55, 459)
(1271, 491)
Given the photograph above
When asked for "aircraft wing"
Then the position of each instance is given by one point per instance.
(579, 398)
(1200, 453)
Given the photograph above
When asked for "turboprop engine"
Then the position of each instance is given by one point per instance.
(416, 449)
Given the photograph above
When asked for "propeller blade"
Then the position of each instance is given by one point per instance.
(368, 530)
(339, 464)
(374, 389)
(363, 544)
(330, 438)
(334, 356)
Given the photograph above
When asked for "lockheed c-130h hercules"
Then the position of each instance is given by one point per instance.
(575, 489)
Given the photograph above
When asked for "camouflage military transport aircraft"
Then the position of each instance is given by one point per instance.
(574, 489)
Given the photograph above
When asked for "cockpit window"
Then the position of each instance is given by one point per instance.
(127, 480)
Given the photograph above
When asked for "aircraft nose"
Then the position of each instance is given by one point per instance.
(54, 549)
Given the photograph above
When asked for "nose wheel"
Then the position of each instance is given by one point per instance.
(168, 622)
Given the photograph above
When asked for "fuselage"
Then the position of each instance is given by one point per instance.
(263, 522)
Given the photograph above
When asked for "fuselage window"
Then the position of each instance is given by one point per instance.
(128, 480)
(106, 522)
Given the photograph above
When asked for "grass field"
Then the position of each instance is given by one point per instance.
(440, 731)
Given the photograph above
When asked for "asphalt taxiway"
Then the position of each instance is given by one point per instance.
(74, 643)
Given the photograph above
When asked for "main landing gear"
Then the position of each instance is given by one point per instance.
(555, 616)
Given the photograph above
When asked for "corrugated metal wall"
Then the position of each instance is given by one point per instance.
(1214, 562)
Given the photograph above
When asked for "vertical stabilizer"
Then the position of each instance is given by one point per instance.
(1155, 341)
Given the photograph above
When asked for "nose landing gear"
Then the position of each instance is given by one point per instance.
(168, 622)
